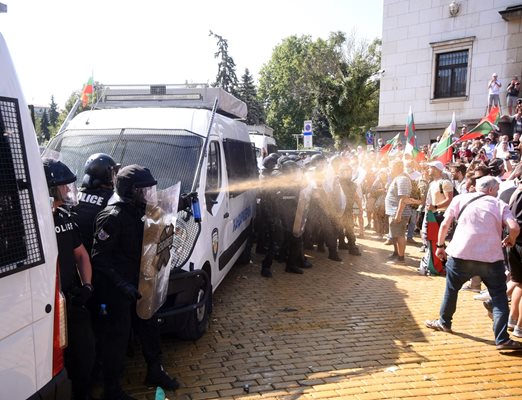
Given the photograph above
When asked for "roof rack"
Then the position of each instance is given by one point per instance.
(170, 95)
(262, 129)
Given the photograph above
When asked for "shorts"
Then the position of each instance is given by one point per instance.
(494, 99)
(515, 262)
(398, 229)
(511, 100)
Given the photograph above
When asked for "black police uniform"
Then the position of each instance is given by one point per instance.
(79, 354)
(116, 256)
(90, 203)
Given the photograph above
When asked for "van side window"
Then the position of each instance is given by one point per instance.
(213, 175)
(20, 244)
(241, 164)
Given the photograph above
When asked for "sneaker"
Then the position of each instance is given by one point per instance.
(388, 242)
(509, 345)
(422, 249)
(306, 264)
(411, 241)
(437, 325)
(393, 256)
(156, 376)
(511, 325)
(517, 331)
(422, 271)
(469, 288)
(482, 296)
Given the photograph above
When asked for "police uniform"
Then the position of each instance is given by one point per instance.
(90, 203)
(79, 354)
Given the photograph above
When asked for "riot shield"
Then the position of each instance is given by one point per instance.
(335, 193)
(158, 239)
(301, 213)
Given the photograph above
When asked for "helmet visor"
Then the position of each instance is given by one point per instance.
(68, 194)
(147, 195)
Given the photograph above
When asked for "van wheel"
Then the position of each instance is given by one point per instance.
(196, 323)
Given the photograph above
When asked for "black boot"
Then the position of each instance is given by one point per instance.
(115, 393)
(333, 255)
(293, 269)
(266, 272)
(156, 376)
(354, 251)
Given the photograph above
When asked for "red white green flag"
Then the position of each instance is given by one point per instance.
(444, 150)
(411, 139)
(87, 92)
(390, 144)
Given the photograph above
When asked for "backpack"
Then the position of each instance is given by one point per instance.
(415, 190)
(455, 191)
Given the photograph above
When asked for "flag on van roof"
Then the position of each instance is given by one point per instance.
(87, 92)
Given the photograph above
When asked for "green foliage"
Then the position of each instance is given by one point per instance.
(53, 112)
(226, 76)
(329, 81)
(44, 126)
(247, 92)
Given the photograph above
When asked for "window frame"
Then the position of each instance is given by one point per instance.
(445, 47)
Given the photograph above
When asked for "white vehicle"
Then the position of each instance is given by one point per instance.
(262, 136)
(172, 131)
(32, 308)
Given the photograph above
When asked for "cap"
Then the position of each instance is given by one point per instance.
(495, 74)
(436, 164)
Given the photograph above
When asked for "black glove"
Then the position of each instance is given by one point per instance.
(80, 295)
(129, 290)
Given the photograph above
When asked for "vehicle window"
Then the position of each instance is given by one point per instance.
(171, 155)
(213, 183)
(241, 164)
(20, 244)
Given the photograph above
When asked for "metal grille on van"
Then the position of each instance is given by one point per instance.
(20, 244)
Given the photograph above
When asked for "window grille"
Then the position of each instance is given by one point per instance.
(20, 241)
(451, 74)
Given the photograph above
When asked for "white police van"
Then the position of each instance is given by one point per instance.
(172, 130)
(262, 136)
(32, 308)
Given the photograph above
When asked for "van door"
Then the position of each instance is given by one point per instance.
(216, 202)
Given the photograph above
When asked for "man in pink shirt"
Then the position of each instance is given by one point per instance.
(476, 249)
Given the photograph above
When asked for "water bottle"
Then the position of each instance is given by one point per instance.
(103, 310)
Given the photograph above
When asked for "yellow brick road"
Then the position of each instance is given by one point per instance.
(350, 330)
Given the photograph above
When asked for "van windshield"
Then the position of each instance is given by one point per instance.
(171, 155)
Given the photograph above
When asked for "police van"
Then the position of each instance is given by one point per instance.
(192, 135)
(32, 308)
(262, 136)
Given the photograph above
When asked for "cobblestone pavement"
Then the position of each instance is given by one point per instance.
(352, 329)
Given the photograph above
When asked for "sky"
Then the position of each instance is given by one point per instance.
(56, 45)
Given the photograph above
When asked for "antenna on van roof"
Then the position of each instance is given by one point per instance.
(193, 193)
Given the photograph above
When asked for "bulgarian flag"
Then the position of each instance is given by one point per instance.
(411, 139)
(390, 144)
(485, 125)
(87, 92)
(444, 150)
(430, 262)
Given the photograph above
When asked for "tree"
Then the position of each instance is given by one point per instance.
(247, 92)
(329, 81)
(226, 76)
(44, 126)
(53, 112)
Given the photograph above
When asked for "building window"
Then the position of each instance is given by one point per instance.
(451, 68)
(452, 72)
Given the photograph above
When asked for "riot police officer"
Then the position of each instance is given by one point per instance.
(116, 256)
(75, 277)
(97, 188)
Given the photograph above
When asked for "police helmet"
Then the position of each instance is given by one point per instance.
(60, 181)
(57, 173)
(100, 169)
(270, 161)
(289, 166)
(317, 160)
(130, 178)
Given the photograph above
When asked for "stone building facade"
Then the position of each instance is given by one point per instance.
(438, 56)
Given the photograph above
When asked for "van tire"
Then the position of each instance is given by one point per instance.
(196, 322)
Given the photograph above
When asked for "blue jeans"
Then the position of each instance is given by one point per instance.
(493, 275)
(411, 225)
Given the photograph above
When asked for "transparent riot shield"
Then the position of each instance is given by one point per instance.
(158, 240)
(301, 213)
(335, 193)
